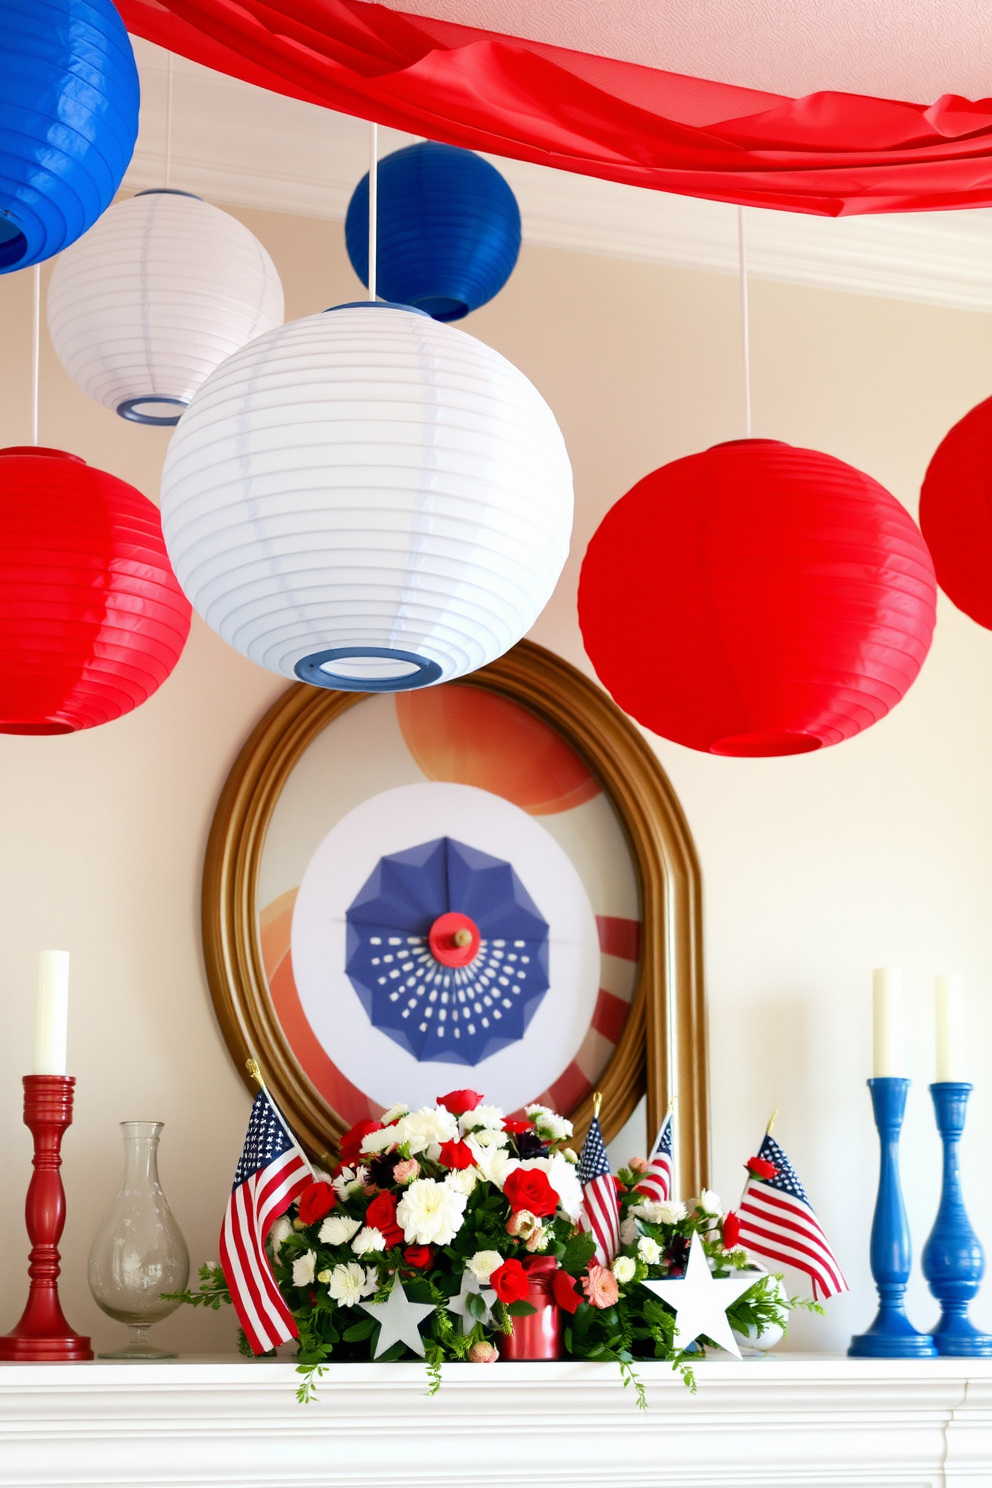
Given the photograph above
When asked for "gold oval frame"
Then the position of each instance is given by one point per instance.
(662, 1049)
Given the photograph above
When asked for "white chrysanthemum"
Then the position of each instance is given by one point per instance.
(349, 1181)
(303, 1268)
(462, 1180)
(536, 1109)
(483, 1118)
(368, 1239)
(429, 1126)
(349, 1283)
(320, 1176)
(394, 1113)
(431, 1213)
(629, 1231)
(661, 1211)
(489, 1137)
(338, 1229)
(649, 1250)
(324, 1276)
(280, 1231)
(484, 1263)
(709, 1202)
(494, 1163)
(552, 1127)
(380, 1141)
(624, 1268)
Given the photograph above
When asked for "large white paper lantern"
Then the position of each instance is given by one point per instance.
(368, 499)
(154, 297)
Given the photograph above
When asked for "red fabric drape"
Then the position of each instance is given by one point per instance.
(828, 154)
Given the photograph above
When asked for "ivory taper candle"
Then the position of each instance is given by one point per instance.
(950, 1029)
(889, 1049)
(51, 1013)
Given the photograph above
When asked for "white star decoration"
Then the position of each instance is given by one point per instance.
(399, 1318)
(459, 1304)
(700, 1300)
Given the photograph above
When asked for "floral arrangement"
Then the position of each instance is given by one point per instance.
(453, 1201)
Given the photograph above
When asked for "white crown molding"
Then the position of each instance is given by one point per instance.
(243, 146)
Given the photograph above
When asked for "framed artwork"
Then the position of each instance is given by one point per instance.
(488, 883)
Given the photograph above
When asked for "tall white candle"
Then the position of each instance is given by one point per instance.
(949, 1009)
(51, 1013)
(888, 1022)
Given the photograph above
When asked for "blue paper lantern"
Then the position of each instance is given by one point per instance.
(68, 122)
(448, 232)
(456, 1007)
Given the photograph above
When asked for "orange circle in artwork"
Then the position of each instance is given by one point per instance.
(472, 737)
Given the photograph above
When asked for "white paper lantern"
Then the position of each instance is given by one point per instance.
(368, 499)
(154, 297)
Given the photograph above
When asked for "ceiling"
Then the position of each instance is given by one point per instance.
(244, 146)
(908, 49)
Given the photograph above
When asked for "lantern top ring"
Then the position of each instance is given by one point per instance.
(167, 191)
(398, 671)
(377, 305)
(132, 409)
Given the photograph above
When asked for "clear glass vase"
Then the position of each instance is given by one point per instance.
(139, 1252)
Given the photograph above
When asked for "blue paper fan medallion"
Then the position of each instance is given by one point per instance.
(447, 951)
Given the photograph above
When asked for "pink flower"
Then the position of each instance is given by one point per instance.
(523, 1225)
(638, 1164)
(482, 1353)
(406, 1171)
(600, 1287)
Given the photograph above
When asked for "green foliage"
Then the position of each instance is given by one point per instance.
(212, 1291)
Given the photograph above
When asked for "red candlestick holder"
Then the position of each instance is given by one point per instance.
(43, 1335)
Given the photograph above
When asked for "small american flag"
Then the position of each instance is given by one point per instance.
(777, 1221)
(599, 1193)
(271, 1174)
(656, 1181)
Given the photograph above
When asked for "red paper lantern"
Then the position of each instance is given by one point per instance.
(956, 513)
(92, 619)
(757, 599)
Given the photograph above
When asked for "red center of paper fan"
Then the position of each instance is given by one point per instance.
(454, 939)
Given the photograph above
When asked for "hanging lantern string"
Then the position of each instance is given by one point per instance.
(35, 348)
(745, 330)
(168, 122)
(373, 203)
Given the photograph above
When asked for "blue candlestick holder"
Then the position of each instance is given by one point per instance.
(891, 1335)
(953, 1259)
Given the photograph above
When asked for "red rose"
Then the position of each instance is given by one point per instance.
(731, 1231)
(316, 1201)
(760, 1167)
(456, 1155)
(510, 1283)
(381, 1215)
(515, 1127)
(351, 1142)
(460, 1101)
(420, 1256)
(566, 1296)
(528, 1188)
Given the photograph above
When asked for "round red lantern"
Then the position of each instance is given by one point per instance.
(92, 619)
(757, 599)
(956, 513)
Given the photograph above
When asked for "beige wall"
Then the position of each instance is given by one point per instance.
(815, 868)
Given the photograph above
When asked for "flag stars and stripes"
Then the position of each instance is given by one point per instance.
(778, 1222)
(601, 1215)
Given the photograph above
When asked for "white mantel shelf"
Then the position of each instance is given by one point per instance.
(791, 1420)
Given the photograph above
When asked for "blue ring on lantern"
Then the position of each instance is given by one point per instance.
(447, 232)
(69, 96)
(129, 410)
(312, 669)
